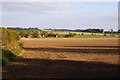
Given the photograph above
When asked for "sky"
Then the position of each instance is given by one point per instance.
(61, 15)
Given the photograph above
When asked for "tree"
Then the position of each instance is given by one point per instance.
(44, 33)
(118, 31)
(111, 30)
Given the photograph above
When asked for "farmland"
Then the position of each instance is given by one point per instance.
(65, 58)
(66, 34)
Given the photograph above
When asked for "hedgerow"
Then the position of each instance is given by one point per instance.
(10, 45)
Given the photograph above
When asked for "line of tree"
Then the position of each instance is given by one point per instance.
(80, 30)
(20, 28)
(76, 30)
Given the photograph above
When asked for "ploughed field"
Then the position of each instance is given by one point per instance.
(65, 58)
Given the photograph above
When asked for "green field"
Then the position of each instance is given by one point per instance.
(87, 34)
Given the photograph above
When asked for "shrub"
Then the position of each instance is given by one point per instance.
(104, 34)
(44, 33)
(7, 55)
(70, 35)
(51, 34)
(82, 33)
(24, 33)
(9, 36)
(10, 44)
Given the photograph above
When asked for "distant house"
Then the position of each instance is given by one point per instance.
(43, 36)
(29, 36)
(56, 36)
(39, 35)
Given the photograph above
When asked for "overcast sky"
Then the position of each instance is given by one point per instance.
(67, 15)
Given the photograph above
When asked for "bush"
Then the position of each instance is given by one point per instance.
(70, 35)
(104, 34)
(82, 34)
(44, 33)
(51, 34)
(9, 36)
(7, 55)
(24, 33)
(10, 44)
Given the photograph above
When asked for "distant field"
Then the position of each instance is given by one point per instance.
(70, 42)
(87, 34)
(65, 32)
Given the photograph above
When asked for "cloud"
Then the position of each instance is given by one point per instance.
(59, 0)
(35, 7)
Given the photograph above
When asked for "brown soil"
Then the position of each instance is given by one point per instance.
(65, 58)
